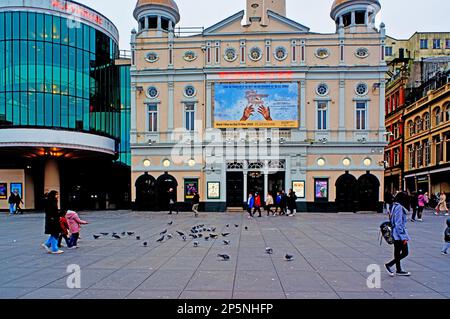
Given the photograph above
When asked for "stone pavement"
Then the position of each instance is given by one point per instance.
(332, 253)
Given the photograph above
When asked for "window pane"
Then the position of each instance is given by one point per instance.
(40, 109)
(32, 66)
(40, 29)
(23, 26)
(48, 110)
(64, 32)
(2, 26)
(48, 33)
(23, 108)
(8, 25)
(15, 24)
(32, 108)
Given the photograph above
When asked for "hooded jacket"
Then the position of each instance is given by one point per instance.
(74, 221)
(398, 220)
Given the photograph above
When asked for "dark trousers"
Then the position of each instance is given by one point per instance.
(257, 208)
(415, 209)
(74, 239)
(61, 236)
(269, 209)
(401, 251)
(173, 207)
(249, 210)
(417, 212)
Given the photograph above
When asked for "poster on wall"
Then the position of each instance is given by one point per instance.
(213, 190)
(190, 188)
(18, 187)
(256, 105)
(3, 191)
(299, 188)
(321, 189)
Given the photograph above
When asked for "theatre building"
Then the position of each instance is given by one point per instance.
(62, 97)
(258, 103)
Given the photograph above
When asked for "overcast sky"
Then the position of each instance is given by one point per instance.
(402, 17)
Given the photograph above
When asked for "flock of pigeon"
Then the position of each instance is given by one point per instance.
(197, 232)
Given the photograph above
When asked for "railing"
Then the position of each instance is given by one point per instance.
(188, 31)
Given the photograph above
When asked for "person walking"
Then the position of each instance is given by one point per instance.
(172, 201)
(283, 203)
(257, 205)
(250, 205)
(388, 200)
(52, 226)
(74, 222)
(292, 203)
(422, 202)
(64, 230)
(398, 220)
(12, 204)
(269, 204)
(414, 205)
(18, 202)
(446, 239)
(278, 204)
(442, 205)
(195, 203)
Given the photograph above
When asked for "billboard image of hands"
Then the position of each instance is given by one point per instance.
(256, 105)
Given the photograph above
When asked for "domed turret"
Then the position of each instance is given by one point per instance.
(352, 13)
(156, 14)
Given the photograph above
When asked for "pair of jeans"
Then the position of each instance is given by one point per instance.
(67, 239)
(401, 251)
(446, 247)
(52, 242)
(73, 241)
(195, 208)
(12, 209)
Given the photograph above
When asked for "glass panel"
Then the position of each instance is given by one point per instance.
(15, 65)
(40, 102)
(56, 110)
(72, 74)
(16, 108)
(79, 80)
(32, 108)
(9, 107)
(72, 35)
(32, 66)
(8, 25)
(23, 108)
(64, 32)
(86, 115)
(48, 33)
(2, 108)
(40, 29)
(15, 25)
(48, 67)
(64, 88)
(2, 26)
(24, 78)
(8, 66)
(86, 32)
(23, 26)
(40, 70)
(56, 29)
(48, 110)
(72, 112)
(56, 87)
(2, 66)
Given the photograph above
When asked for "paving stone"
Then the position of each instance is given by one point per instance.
(190, 295)
(102, 294)
(154, 294)
(52, 293)
(167, 280)
(266, 281)
(212, 281)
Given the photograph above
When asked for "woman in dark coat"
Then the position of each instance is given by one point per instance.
(292, 203)
(52, 225)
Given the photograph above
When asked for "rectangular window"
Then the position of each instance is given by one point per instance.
(152, 118)
(396, 131)
(412, 158)
(294, 53)
(397, 156)
(387, 158)
(189, 109)
(322, 108)
(208, 55)
(436, 43)
(389, 51)
(361, 113)
(438, 149)
(447, 43)
(217, 55)
(427, 153)
(423, 44)
(242, 54)
(419, 155)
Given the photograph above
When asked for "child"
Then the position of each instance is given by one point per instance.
(447, 238)
(74, 222)
(64, 230)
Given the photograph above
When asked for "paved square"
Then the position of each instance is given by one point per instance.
(332, 252)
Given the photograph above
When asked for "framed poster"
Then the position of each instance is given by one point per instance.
(190, 188)
(3, 191)
(321, 189)
(299, 188)
(213, 190)
(18, 187)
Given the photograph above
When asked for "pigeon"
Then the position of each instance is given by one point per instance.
(161, 239)
(138, 237)
(170, 224)
(163, 232)
(123, 233)
(236, 225)
(184, 238)
(269, 251)
(130, 233)
(195, 243)
(213, 229)
(213, 236)
(206, 238)
(117, 237)
(246, 228)
(228, 225)
(204, 229)
(226, 242)
(114, 234)
(96, 237)
(208, 229)
(181, 234)
(200, 235)
(145, 244)
(224, 257)
(225, 234)
(170, 236)
(104, 234)
(289, 257)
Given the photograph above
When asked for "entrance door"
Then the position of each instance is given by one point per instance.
(235, 189)
(256, 183)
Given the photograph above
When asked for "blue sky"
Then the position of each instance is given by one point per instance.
(402, 17)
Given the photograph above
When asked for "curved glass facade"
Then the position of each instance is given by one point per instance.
(57, 73)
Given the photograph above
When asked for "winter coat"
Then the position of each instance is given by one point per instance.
(422, 201)
(250, 202)
(74, 222)
(442, 206)
(52, 226)
(399, 219)
(278, 199)
(64, 225)
(258, 201)
(196, 199)
(12, 199)
(269, 201)
(172, 198)
(292, 201)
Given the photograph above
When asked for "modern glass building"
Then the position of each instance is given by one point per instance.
(63, 104)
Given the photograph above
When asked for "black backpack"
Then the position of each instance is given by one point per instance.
(387, 231)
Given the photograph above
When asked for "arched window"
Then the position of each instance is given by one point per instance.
(411, 128)
(447, 112)
(426, 121)
(418, 122)
(437, 116)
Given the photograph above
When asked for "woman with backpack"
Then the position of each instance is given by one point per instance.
(52, 225)
(398, 220)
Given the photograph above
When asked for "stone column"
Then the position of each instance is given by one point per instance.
(342, 128)
(245, 185)
(209, 105)
(133, 127)
(382, 128)
(51, 177)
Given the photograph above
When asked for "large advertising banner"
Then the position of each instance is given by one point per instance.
(256, 105)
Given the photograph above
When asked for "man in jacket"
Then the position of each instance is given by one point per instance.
(250, 205)
(257, 205)
(400, 233)
(195, 203)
